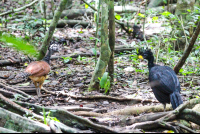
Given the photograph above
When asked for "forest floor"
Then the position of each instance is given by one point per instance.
(73, 77)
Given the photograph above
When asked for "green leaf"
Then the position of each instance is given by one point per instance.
(17, 95)
(189, 10)
(94, 51)
(141, 15)
(117, 16)
(44, 115)
(169, 50)
(91, 38)
(19, 44)
(25, 84)
(165, 39)
(46, 81)
(166, 13)
(154, 18)
(172, 39)
(165, 1)
(49, 21)
(170, 131)
(104, 79)
(65, 18)
(86, 6)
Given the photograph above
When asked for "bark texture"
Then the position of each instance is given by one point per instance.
(49, 34)
(105, 49)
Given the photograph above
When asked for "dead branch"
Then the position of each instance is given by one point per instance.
(127, 111)
(19, 9)
(89, 114)
(138, 110)
(188, 50)
(133, 101)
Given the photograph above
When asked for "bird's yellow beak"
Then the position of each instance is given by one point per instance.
(141, 57)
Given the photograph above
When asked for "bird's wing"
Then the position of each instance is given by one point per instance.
(38, 68)
(164, 79)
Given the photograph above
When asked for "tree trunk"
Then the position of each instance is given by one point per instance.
(49, 34)
(111, 41)
(105, 49)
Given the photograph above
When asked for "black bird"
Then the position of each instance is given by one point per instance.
(163, 81)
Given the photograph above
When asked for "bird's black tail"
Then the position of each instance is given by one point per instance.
(175, 99)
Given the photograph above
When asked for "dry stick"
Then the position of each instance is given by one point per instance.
(126, 112)
(138, 110)
(19, 9)
(134, 101)
(90, 114)
(188, 50)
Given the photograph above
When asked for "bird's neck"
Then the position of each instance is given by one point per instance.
(150, 62)
(48, 56)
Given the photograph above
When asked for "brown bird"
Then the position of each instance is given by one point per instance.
(37, 70)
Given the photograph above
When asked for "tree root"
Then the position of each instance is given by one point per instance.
(14, 90)
(4, 130)
(13, 121)
(183, 127)
(69, 118)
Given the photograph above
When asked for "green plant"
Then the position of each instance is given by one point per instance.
(44, 115)
(67, 59)
(48, 116)
(19, 44)
(105, 82)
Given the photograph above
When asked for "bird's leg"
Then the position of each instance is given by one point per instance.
(37, 89)
(38, 94)
(40, 85)
(164, 105)
(35, 83)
